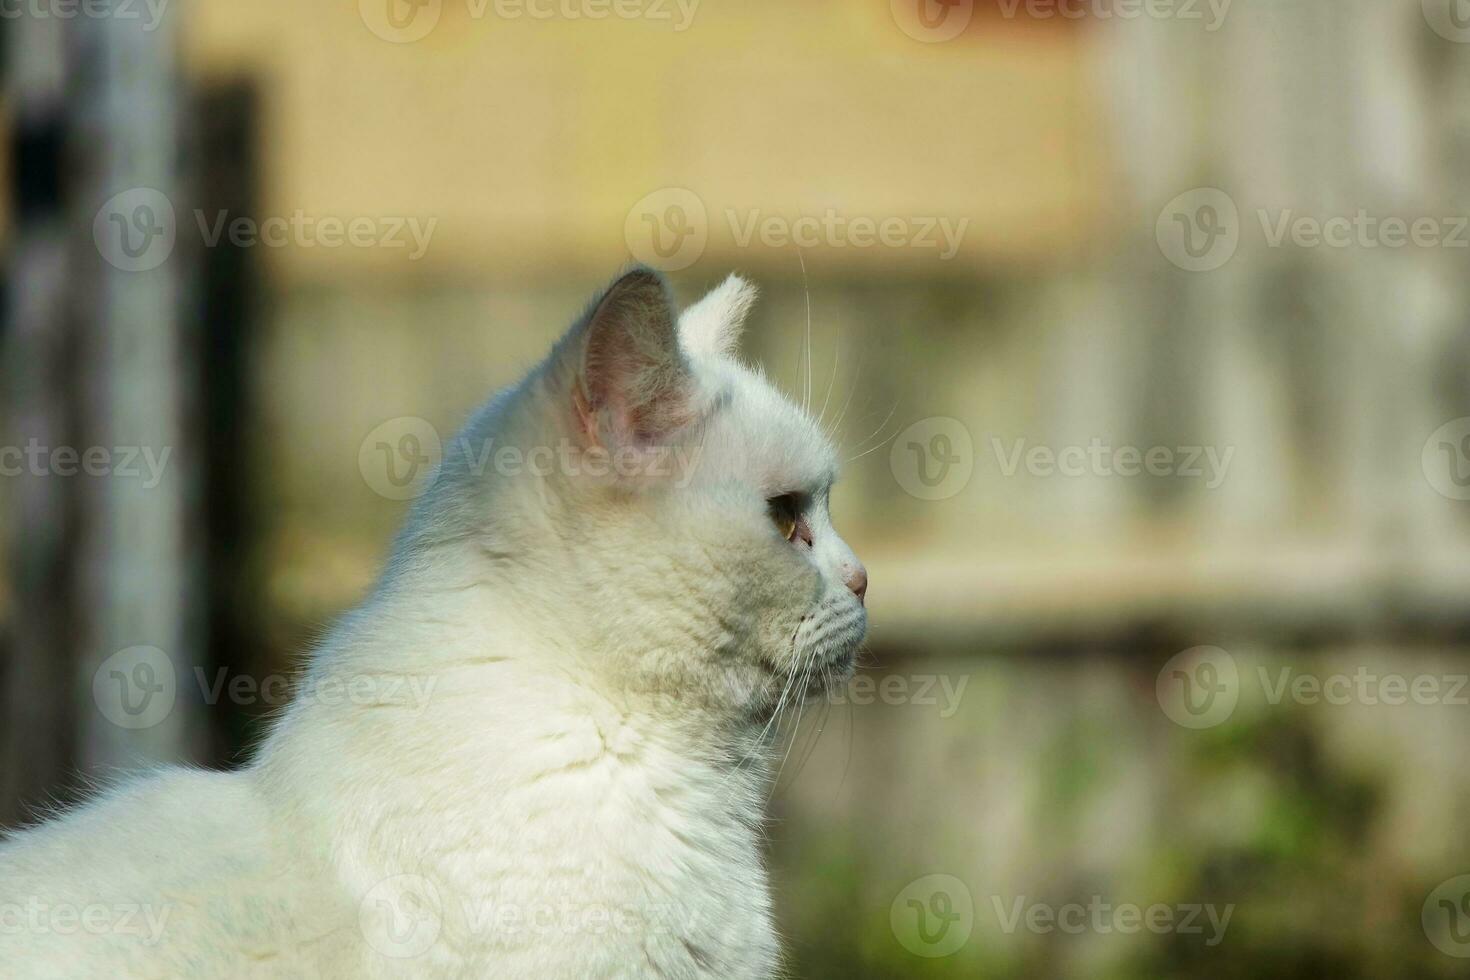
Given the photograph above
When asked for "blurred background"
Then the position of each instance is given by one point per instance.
(1142, 323)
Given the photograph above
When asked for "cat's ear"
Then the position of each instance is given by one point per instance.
(634, 386)
(711, 327)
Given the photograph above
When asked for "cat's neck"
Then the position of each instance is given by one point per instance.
(452, 637)
(496, 691)
(672, 662)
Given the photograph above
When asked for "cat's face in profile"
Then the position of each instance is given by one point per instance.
(686, 530)
(765, 474)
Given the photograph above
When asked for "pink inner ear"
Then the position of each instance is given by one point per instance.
(664, 409)
(632, 367)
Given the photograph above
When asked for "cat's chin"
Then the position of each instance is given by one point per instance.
(824, 673)
(833, 676)
(831, 670)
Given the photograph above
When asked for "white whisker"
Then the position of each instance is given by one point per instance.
(800, 710)
(870, 450)
(883, 425)
(806, 402)
(758, 747)
(857, 378)
(832, 381)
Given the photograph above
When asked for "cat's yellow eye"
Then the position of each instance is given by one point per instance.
(785, 512)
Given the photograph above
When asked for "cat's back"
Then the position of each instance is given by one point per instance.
(181, 873)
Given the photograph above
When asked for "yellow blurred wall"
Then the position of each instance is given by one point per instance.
(530, 140)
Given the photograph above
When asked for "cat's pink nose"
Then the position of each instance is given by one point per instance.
(856, 578)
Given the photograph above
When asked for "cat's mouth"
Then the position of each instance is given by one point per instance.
(831, 671)
(828, 651)
(821, 653)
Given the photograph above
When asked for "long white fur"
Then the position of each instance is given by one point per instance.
(582, 794)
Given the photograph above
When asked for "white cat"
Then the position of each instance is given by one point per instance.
(606, 633)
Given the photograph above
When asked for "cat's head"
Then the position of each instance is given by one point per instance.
(672, 506)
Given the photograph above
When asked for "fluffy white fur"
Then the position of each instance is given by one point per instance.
(582, 794)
